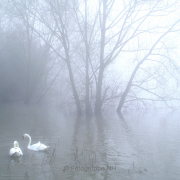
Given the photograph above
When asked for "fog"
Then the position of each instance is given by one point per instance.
(105, 55)
(88, 62)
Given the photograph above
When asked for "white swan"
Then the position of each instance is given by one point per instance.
(36, 147)
(15, 151)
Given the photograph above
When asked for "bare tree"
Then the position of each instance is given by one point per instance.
(36, 54)
(152, 51)
(119, 31)
(60, 20)
(91, 37)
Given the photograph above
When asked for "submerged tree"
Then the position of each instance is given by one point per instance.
(94, 37)
(123, 32)
(123, 28)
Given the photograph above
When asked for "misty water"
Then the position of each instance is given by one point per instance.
(142, 146)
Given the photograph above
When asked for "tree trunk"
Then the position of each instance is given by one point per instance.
(76, 97)
(66, 48)
(98, 103)
(87, 64)
(28, 96)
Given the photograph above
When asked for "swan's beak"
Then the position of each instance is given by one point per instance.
(14, 153)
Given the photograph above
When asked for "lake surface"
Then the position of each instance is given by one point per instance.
(140, 147)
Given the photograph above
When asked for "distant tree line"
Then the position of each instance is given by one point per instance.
(93, 55)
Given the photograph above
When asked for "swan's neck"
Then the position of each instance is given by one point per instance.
(29, 144)
(16, 144)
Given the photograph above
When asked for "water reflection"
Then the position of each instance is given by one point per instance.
(134, 147)
(16, 159)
